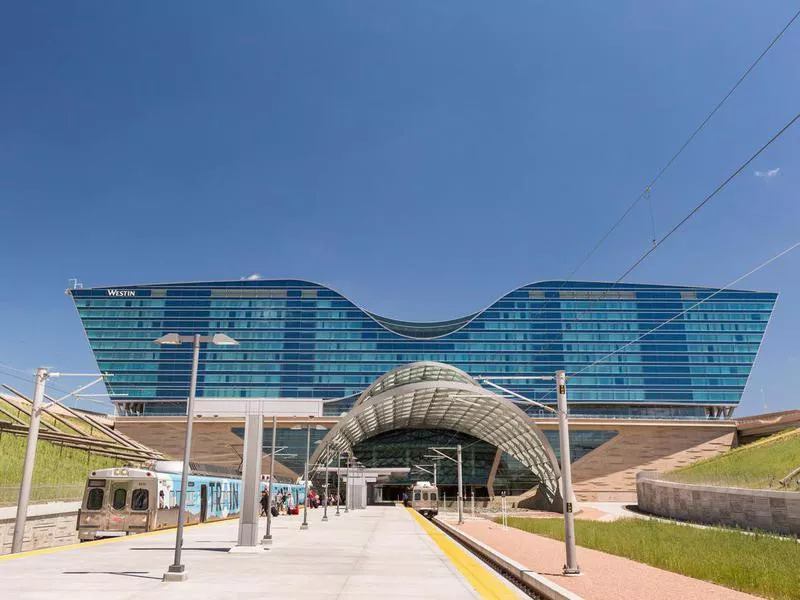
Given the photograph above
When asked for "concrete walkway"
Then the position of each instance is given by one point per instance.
(37, 510)
(605, 576)
(378, 552)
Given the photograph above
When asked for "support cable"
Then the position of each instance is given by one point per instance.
(707, 199)
(692, 307)
(648, 188)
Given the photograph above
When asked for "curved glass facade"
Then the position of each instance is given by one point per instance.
(303, 340)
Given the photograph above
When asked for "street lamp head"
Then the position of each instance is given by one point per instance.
(220, 339)
(170, 339)
(296, 428)
(321, 428)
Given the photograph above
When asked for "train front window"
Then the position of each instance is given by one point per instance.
(416, 495)
(94, 500)
(120, 496)
(140, 499)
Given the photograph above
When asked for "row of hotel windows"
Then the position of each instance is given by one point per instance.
(636, 326)
(564, 336)
(649, 343)
(355, 351)
(581, 380)
(589, 313)
(559, 315)
(622, 396)
(122, 368)
(474, 361)
(538, 305)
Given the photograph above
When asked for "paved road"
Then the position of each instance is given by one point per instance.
(378, 552)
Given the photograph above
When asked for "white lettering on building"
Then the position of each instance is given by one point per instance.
(121, 293)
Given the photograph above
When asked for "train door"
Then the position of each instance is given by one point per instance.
(118, 503)
(203, 503)
(141, 516)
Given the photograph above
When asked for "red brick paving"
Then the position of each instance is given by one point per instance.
(605, 576)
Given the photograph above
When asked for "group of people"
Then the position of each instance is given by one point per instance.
(283, 502)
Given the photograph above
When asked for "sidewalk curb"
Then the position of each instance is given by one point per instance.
(540, 584)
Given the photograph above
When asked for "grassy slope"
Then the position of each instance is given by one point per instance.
(59, 472)
(759, 465)
(751, 563)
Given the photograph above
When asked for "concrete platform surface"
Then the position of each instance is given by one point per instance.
(378, 552)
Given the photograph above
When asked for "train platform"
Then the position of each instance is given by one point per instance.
(386, 552)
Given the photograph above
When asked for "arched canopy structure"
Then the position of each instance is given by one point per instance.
(431, 395)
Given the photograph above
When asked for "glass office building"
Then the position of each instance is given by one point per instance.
(303, 340)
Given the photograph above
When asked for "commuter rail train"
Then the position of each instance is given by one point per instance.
(127, 500)
(425, 499)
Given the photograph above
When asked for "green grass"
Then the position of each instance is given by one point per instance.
(59, 473)
(760, 465)
(756, 564)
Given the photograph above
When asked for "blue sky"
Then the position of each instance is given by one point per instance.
(421, 157)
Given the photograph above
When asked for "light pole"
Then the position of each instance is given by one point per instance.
(41, 377)
(268, 535)
(338, 483)
(460, 487)
(177, 571)
(30, 459)
(325, 497)
(304, 524)
(571, 567)
(457, 460)
(423, 469)
(347, 483)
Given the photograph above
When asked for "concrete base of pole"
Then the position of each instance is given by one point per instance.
(247, 550)
(266, 540)
(324, 518)
(304, 526)
(571, 572)
(175, 575)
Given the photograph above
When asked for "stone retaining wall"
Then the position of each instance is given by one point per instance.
(765, 510)
(42, 531)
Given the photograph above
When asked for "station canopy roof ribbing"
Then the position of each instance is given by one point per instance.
(432, 395)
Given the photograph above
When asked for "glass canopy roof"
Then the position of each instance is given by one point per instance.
(433, 395)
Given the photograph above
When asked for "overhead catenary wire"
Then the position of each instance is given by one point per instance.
(30, 373)
(707, 199)
(29, 376)
(692, 307)
(645, 193)
(680, 314)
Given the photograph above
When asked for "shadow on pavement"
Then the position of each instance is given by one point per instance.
(172, 549)
(140, 574)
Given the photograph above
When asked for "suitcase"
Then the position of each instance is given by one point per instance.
(274, 511)
(294, 511)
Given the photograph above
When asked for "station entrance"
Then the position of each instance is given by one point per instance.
(405, 412)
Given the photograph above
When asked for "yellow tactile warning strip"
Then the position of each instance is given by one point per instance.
(486, 582)
(104, 541)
